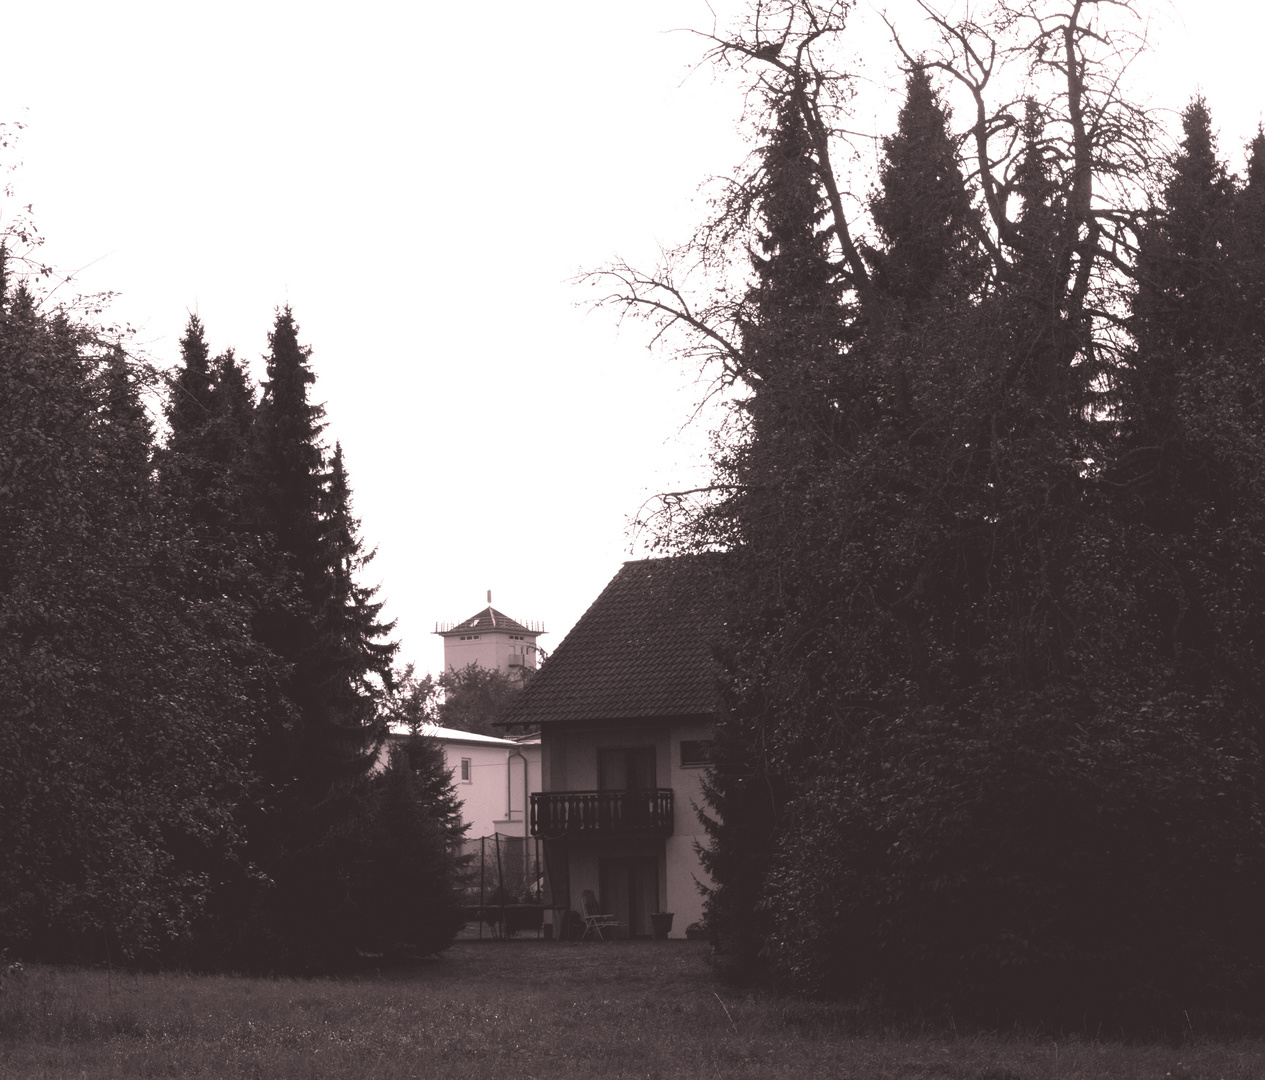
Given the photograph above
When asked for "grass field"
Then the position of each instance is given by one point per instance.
(499, 1010)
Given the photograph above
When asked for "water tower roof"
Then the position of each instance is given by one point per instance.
(487, 621)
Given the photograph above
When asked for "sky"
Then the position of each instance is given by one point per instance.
(422, 183)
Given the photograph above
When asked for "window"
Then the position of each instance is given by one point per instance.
(695, 752)
(465, 770)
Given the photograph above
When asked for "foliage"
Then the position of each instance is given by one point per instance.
(404, 870)
(432, 781)
(322, 728)
(125, 700)
(472, 698)
(475, 697)
(410, 701)
(991, 736)
(792, 330)
(922, 209)
(192, 674)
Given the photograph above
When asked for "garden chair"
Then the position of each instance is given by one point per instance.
(595, 920)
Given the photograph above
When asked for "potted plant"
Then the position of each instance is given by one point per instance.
(662, 923)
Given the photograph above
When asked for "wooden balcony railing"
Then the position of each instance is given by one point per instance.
(646, 812)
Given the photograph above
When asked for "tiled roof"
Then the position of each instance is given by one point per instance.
(643, 649)
(486, 621)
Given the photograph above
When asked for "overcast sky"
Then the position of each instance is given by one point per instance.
(421, 182)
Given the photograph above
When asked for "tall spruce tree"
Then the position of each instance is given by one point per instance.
(1183, 312)
(189, 400)
(227, 444)
(288, 466)
(358, 668)
(1192, 449)
(794, 420)
(185, 468)
(1249, 237)
(323, 734)
(922, 208)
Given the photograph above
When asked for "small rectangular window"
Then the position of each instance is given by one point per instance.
(695, 752)
(465, 770)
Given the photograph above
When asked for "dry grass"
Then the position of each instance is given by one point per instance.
(518, 1009)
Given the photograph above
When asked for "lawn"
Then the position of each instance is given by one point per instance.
(500, 1010)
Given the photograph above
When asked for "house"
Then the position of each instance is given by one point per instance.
(625, 708)
(493, 777)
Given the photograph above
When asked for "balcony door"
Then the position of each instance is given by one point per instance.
(626, 780)
(627, 769)
(630, 891)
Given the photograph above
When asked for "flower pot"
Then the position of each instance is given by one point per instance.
(662, 923)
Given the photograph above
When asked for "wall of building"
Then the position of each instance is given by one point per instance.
(570, 763)
(683, 896)
(492, 799)
(485, 796)
(493, 650)
(522, 780)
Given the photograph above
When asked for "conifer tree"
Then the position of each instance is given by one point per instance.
(227, 445)
(125, 430)
(189, 400)
(288, 467)
(185, 468)
(323, 732)
(795, 421)
(232, 399)
(404, 893)
(1192, 448)
(1031, 275)
(1183, 311)
(358, 666)
(1249, 235)
(922, 208)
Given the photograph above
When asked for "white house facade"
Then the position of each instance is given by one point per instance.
(493, 777)
(625, 708)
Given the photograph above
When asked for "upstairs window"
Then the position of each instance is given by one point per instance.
(465, 770)
(695, 752)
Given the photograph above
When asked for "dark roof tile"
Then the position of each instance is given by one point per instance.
(643, 649)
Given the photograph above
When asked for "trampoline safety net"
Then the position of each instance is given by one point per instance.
(505, 883)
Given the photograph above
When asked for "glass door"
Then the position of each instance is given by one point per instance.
(630, 892)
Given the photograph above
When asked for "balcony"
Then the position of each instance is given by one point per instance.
(644, 812)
